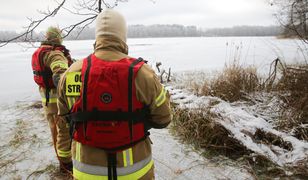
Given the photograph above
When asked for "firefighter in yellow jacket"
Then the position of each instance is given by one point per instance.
(49, 61)
(111, 101)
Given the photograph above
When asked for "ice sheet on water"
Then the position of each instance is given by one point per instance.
(181, 54)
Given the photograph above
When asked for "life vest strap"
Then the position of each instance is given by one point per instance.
(112, 166)
(85, 84)
(84, 116)
(125, 146)
(42, 73)
(130, 93)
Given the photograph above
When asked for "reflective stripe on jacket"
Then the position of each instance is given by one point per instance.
(127, 168)
(129, 171)
(52, 95)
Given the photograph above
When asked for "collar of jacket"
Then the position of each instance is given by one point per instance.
(110, 43)
(48, 43)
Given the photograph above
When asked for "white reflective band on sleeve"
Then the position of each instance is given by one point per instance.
(103, 171)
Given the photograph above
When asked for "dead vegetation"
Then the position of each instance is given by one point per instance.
(293, 85)
(289, 82)
(52, 171)
(24, 143)
(198, 127)
(233, 83)
(263, 137)
(237, 83)
(19, 135)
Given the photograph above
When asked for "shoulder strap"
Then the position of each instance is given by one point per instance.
(67, 54)
(130, 93)
(85, 84)
(45, 74)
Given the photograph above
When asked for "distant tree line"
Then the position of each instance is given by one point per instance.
(245, 31)
(142, 31)
(175, 30)
(157, 30)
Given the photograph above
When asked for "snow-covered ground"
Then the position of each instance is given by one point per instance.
(243, 121)
(26, 151)
(25, 145)
(174, 160)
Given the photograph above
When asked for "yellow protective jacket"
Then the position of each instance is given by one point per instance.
(58, 64)
(135, 162)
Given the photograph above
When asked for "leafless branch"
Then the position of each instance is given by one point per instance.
(32, 26)
(161, 73)
(77, 11)
(84, 22)
(293, 16)
(84, 8)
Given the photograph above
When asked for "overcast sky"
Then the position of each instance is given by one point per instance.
(201, 13)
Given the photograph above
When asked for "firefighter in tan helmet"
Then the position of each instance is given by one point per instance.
(49, 61)
(111, 100)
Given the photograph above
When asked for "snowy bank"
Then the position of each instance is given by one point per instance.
(244, 126)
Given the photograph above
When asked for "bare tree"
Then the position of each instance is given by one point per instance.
(88, 9)
(293, 15)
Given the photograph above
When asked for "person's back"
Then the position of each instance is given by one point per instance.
(120, 99)
(49, 61)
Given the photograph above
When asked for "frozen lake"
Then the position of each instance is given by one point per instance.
(181, 54)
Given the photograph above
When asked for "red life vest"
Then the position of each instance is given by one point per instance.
(43, 74)
(108, 115)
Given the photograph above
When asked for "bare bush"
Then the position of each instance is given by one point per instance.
(198, 127)
(233, 83)
(292, 15)
(293, 86)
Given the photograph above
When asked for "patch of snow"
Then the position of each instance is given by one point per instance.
(174, 160)
(35, 153)
(239, 120)
(25, 142)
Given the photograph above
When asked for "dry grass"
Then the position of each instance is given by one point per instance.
(52, 171)
(301, 169)
(269, 138)
(19, 135)
(198, 127)
(293, 87)
(233, 83)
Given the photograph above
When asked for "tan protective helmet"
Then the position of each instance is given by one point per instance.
(54, 35)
